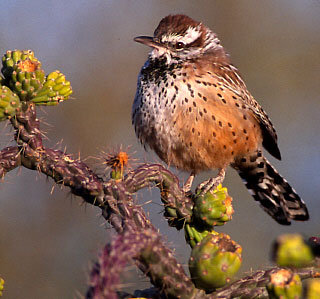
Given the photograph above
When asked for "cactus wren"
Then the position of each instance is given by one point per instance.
(194, 110)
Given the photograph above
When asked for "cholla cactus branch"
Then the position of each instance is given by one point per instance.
(54, 163)
(310, 272)
(27, 127)
(112, 197)
(155, 260)
(172, 195)
(257, 282)
(105, 275)
(9, 159)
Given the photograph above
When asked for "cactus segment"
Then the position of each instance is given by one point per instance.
(55, 89)
(284, 284)
(23, 73)
(290, 250)
(17, 58)
(9, 103)
(214, 261)
(213, 208)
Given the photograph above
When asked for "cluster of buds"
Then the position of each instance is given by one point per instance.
(55, 90)
(24, 81)
(22, 73)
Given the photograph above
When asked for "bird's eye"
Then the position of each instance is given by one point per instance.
(179, 45)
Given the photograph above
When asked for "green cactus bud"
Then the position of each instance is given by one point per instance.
(214, 261)
(24, 59)
(1, 286)
(116, 175)
(290, 250)
(9, 103)
(284, 284)
(171, 212)
(194, 234)
(213, 208)
(313, 289)
(23, 73)
(55, 89)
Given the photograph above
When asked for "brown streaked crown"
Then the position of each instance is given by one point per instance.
(178, 25)
(175, 24)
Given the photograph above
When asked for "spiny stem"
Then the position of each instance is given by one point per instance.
(9, 159)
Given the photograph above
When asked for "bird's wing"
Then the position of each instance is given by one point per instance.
(230, 77)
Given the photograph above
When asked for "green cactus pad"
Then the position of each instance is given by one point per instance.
(292, 251)
(213, 208)
(284, 284)
(55, 89)
(9, 103)
(214, 261)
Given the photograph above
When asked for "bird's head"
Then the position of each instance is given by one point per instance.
(178, 38)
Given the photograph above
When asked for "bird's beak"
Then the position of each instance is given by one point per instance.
(148, 41)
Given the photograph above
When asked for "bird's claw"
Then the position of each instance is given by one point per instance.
(211, 184)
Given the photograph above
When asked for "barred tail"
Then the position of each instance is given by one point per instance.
(268, 187)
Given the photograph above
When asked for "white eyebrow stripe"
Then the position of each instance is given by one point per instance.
(192, 34)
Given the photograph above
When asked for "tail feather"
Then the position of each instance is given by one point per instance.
(268, 187)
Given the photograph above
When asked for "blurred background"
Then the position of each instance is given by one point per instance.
(48, 238)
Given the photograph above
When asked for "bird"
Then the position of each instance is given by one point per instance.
(193, 109)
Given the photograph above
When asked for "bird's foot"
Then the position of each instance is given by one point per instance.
(211, 184)
(188, 184)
